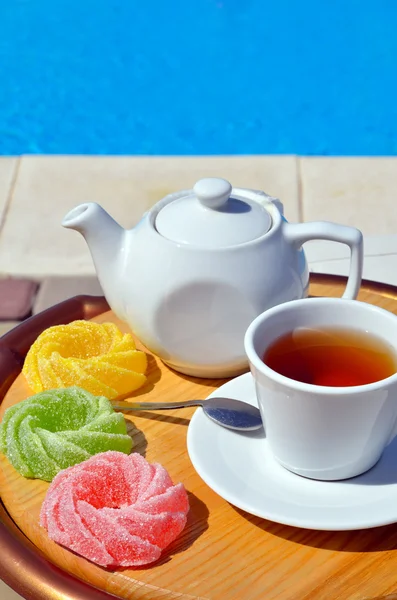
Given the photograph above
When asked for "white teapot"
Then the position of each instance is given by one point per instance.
(200, 266)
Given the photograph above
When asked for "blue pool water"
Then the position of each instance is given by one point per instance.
(198, 76)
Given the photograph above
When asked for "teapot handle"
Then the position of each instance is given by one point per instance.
(299, 233)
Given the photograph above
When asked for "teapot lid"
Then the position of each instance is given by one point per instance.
(211, 217)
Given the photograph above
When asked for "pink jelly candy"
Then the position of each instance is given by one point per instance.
(115, 509)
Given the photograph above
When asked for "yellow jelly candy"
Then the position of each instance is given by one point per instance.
(95, 356)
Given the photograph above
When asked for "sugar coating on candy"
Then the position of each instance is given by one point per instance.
(95, 356)
(55, 429)
(115, 510)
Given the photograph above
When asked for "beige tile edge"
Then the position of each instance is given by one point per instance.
(8, 175)
(11, 188)
(358, 191)
(7, 593)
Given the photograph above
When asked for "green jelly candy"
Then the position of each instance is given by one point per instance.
(59, 428)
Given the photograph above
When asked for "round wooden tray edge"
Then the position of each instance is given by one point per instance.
(41, 578)
(385, 289)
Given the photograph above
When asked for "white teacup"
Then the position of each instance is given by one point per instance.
(323, 432)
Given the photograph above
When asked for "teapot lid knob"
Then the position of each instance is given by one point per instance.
(213, 192)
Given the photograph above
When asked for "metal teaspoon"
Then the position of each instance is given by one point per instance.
(232, 414)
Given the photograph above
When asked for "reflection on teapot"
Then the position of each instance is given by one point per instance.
(200, 266)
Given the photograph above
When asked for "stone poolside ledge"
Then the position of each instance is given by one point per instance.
(37, 191)
(47, 263)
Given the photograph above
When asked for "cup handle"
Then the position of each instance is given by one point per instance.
(299, 233)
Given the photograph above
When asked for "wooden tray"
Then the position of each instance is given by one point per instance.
(223, 553)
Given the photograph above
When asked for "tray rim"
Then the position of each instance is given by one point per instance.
(42, 579)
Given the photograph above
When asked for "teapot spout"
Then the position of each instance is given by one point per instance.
(101, 232)
(104, 238)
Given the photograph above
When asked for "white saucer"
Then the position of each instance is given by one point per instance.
(241, 469)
